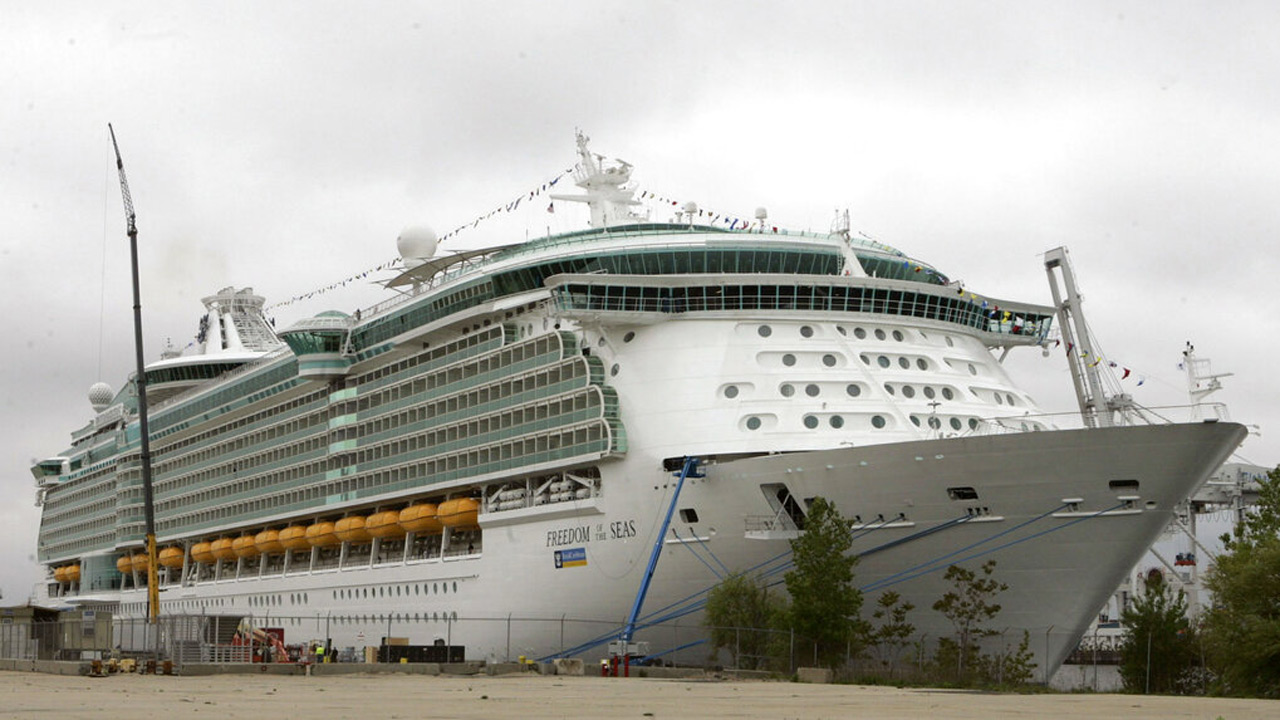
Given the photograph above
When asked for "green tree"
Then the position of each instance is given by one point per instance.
(741, 615)
(968, 605)
(892, 632)
(824, 601)
(1242, 630)
(1158, 649)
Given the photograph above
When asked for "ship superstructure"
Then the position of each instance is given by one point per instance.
(498, 440)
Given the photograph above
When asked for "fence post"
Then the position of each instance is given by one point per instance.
(791, 652)
(562, 631)
(737, 647)
(508, 657)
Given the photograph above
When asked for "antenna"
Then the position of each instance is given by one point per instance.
(140, 381)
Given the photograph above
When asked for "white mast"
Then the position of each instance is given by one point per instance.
(609, 201)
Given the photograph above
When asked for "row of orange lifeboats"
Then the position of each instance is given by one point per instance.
(67, 574)
(421, 518)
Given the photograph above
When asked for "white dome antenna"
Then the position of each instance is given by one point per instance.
(100, 395)
(417, 244)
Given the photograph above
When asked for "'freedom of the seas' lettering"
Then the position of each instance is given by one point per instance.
(585, 533)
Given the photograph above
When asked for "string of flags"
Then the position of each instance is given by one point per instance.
(714, 218)
(1096, 360)
(395, 262)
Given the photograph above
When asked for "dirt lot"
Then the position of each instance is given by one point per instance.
(382, 697)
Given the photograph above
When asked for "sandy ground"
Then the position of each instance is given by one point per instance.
(382, 697)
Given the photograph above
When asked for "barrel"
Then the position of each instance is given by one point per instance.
(459, 513)
(223, 550)
(294, 537)
(268, 541)
(202, 552)
(385, 524)
(352, 529)
(172, 557)
(322, 534)
(244, 546)
(420, 518)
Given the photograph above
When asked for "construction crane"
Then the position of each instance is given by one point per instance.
(140, 381)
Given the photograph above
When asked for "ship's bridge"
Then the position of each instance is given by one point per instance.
(319, 345)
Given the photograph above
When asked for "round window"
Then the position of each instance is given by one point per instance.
(853, 389)
(629, 336)
(908, 391)
(859, 333)
(904, 363)
(731, 391)
(788, 359)
(1010, 399)
(836, 421)
(880, 334)
(888, 388)
(865, 360)
(787, 390)
(806, 331)
(829, 360)
(883, 361)
(955, 423)
(999, 400)
(935, 423)
(947, 394)
(928, 392)
(922, 363)
(972, 370)
(753, 423)
(764, 330)
(811, 390)
(811, 421)
(897, 335)
(877, 421)
(973, 423)
(840, 329)
(915, 420)
(614, 370)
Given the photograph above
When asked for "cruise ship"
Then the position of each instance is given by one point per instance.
(495, 454)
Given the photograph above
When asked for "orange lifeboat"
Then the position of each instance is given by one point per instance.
(223, 550)
(202, 552)
(420, 518)
(294, 537)
(460, 513)
(322, 534)
(125, 564)
(268, 541)
(73, 573)
(352, 529)
(385, 524)
(140, 562)
(60, 574)
(172, 557)
(244, 546)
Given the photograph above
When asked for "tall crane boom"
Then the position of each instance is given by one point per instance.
(140, 381)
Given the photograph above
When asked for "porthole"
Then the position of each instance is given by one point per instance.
(955, 423)
(972, 370)
(455, 589)
(811, 421)
(888, 388)
(806, 331)
(929, 392)
(883, 361)
(897, 335)
(922, 363)
(880, 334)
(973, 423)
(628, 337)
(915, 420)
(904, 363)
(764, 330)
(865, 360)
(787, 390)
(788, 359)
(853, 389)
(753, 423)
(613, 371)
(829, 360)
(908, 391)
(877, 421)
(731, 391)
(950, 342)
(1009, 397)
(947, 394)
(840, 329)
(811, 390)
(860, 333)
(999, 400)
(935, 423)
(836, 421)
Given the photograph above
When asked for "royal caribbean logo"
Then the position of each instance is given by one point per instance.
(573, 557)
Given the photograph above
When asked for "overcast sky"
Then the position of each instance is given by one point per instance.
(283, 146)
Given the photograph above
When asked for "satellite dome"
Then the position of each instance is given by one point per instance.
(100, 395)
(416, 243)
